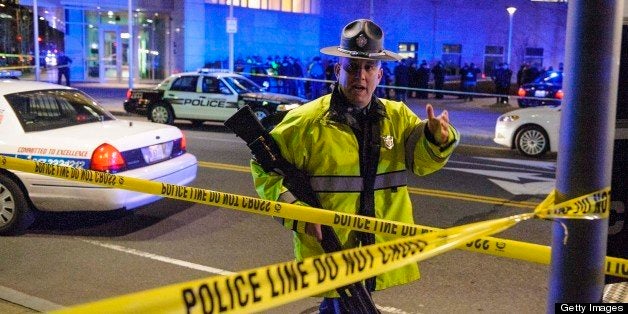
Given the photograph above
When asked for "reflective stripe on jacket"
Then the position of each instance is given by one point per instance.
(328, 151)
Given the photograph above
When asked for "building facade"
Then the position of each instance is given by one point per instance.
(170, 36)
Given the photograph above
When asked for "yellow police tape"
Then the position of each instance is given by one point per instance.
(269, 286)
(488, 245)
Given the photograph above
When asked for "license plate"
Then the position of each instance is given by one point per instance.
(540, 93)
(157, 152)
(136, 95)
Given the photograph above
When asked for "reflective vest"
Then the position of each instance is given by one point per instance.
(328, 150)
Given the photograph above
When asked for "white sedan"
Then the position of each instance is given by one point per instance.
(532, 131)
(61, 125)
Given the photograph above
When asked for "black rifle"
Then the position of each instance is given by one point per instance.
(355, 298)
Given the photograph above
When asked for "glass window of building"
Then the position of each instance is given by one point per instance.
(451, 58)
(534, 56)
(493, 56)
(16, 36)
(294, 6)
(408, 50)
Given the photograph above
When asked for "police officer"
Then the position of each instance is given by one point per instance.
(356, 149)
(63, 68)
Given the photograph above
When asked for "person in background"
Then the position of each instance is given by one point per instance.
(316, 71)
(402, 79)
(356, 148)
(423, 75)
(470, 81)
(439, 78)
(63, 68)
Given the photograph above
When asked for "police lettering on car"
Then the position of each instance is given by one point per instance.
(219, 103)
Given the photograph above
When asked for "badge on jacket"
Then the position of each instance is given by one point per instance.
(388, 141)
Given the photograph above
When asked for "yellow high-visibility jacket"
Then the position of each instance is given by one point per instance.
(315, 141)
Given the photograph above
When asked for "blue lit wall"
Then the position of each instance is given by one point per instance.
(430, 23)
(261, 33)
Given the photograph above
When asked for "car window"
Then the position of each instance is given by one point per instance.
(53, 109)
(215, 85)
(554, 78)
(185, 84)
(242, 84)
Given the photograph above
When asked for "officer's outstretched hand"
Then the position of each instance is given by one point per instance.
(438, 125)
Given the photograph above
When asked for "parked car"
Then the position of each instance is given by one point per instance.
(532, 131)
(206, 95)
(546, 90)
(63, 126)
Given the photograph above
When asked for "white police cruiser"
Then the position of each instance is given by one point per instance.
(63, 126)
(206, 95)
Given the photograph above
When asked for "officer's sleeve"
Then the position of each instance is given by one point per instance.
(423, 155)
(269, 185)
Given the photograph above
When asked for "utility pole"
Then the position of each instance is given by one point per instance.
(36, 39)
(131, 52)
(586, 146)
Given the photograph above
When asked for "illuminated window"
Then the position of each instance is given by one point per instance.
(294, 6)
(451, 58)
(534, 56)
(408, 50)
(493, 56)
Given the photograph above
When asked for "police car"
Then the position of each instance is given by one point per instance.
(206, 95)
(63, 126)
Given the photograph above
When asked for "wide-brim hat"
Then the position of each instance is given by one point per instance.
(362, 39)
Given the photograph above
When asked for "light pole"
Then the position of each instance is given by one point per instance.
(511, 12)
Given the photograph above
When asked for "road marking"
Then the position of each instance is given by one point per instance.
(178, 262)
(508, 175)
(523, 167)
(512, 180)
(472, 198)
(160, 258)
(221, 166)
(549, 165)
(531, 188)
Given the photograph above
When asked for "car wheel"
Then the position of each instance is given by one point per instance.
(16, 214)
(532, 141)
(522, 103)
(161, 113)
(260, 113)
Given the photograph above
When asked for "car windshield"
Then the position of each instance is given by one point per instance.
(554, 78)
(242, 84)
(52, 109)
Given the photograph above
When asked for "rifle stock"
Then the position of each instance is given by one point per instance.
(244, 123)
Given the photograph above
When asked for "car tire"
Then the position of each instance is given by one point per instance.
(532, 141)
(522, 103)
(161, 113)
(197, 123)
(260, 113)
(16, 214)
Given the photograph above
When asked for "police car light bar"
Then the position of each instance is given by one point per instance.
(206, 70)
(10, 74)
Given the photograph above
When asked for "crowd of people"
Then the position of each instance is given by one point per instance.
(406, 79)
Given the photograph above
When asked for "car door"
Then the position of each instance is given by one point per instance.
(219, 101)
(184, 97)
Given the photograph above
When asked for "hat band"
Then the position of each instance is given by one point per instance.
(362, 53)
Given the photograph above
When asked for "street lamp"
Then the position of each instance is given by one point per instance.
(511, 12)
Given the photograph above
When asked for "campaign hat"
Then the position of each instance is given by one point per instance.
(362, 39)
